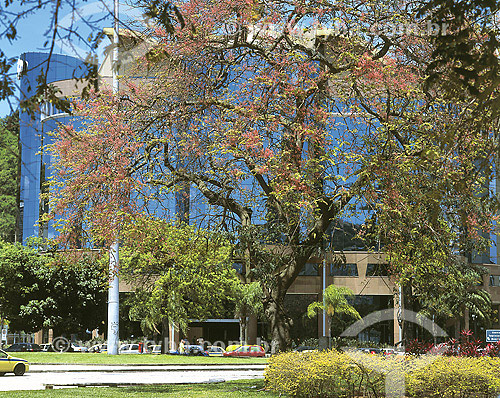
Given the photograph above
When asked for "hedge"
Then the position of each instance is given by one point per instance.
(354, 374)
(456, 377)
(321, 374)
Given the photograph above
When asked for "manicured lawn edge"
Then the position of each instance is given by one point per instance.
(229, 389)
(53, 358)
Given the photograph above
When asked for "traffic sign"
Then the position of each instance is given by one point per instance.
(492, 335)
(4, 334)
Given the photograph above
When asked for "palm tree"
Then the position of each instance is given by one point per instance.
(249, 303)
(334, 303)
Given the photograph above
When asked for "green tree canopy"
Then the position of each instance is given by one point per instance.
(334, 304)
(46, 290)
(9, 171)
(181, 272)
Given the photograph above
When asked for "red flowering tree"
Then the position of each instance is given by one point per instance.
(300, 114)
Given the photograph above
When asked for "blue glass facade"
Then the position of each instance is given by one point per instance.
(34, 134)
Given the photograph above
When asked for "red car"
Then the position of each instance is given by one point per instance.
(246, 351)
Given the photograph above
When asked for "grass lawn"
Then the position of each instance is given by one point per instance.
(233, 389)
(104, 359)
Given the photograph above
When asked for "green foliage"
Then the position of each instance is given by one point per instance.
(249, 299)
(229, 389)
(457, 293)
(183, 273)
(355, 374)
(129, 359)
(9, 166)
(321, 374)
(306, 130)
(48, 290)
(334, 303)
(450, 377)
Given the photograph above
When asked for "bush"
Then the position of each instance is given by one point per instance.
(321, 374)
(456, 377)
(355, 374)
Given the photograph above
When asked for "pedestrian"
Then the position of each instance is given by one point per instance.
(181, 347)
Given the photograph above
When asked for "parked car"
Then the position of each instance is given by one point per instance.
(370, 350)
(232, 347)
(9, 364)
(194, 349)
(215, 351)
(24, 347)
(156, 349)
(388, 351)
(45, 347)
(247, 351)
(99, 348)
(130, 349)
(79, 348)
(305, 348)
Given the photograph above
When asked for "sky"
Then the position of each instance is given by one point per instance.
(33, 32)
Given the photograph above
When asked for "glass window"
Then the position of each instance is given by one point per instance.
(310, 269)
(3, 354)
(349, 269)
(494, 280)
(238, 267)
(377, 270)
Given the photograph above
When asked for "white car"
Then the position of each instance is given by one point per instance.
(45, 347)
(79, 348)
(129, 349)
(99, 348)
(156, 349)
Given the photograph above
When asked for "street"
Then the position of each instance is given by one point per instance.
(41, 375)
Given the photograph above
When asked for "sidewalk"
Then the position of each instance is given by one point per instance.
(42, 376)
(63, 368)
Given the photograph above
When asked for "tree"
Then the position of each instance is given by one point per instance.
(334, 304)
(9, 177)
(181, 273)
(43, 290)
(248, 303)
(264, 113)
(462, 297)
(465, 55)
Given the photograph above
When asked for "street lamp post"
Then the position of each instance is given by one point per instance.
(114, 262)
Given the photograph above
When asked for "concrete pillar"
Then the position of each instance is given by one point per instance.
(51, 336)
(38, 337)
(173, 337)
(396, 324)
(466, 319)
(252, 330)
(398, 331)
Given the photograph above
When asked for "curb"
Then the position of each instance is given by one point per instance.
(52, 385)
(142, 370)
(145, 364)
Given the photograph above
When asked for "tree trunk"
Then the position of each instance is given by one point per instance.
(251, 335)
(409, 329)
(165, 325)
(466, 319)
(280, 324)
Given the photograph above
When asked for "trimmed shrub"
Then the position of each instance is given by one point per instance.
(321, 374)
(453, 377)
(333, 374)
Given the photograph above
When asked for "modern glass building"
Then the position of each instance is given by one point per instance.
(34, 134)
